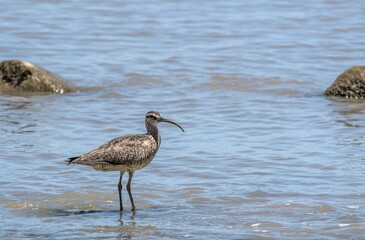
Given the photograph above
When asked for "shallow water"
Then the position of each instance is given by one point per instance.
(265, 155)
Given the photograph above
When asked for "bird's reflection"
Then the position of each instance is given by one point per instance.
(129, 226)
(132, 218)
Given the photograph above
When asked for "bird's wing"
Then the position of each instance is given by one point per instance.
(129, 149)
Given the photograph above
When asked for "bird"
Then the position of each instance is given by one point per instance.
(127, 153)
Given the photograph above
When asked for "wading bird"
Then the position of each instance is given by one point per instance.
(126, 154)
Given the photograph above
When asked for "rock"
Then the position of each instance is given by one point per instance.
(350, 84)
(27, 77)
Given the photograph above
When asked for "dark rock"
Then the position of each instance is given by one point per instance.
(27, 77)
(350, 84)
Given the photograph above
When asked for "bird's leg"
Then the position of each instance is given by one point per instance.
(120, 190)
(129, 189)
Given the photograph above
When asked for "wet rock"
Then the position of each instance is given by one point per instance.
(350, 84)
(27, 77)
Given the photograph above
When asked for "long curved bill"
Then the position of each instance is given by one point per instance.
(172, 122)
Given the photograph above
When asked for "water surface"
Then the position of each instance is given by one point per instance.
(265, 155)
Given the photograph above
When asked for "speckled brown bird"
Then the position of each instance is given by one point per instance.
(126, 154)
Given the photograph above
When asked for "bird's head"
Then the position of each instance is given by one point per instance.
(153, 118)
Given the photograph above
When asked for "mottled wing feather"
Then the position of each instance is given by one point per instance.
(128, 150)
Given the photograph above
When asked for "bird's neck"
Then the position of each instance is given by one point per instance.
(153, 131)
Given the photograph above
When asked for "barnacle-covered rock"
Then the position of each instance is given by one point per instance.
(350, 84)
(27, 77)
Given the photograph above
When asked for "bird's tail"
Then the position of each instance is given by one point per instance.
(71, 159)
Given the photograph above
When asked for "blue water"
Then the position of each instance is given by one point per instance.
(265, 155)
